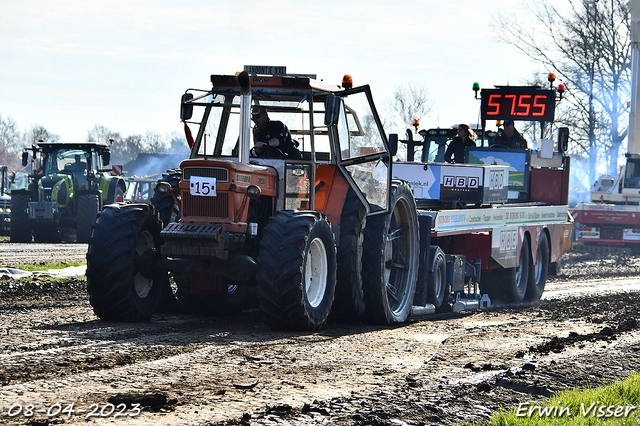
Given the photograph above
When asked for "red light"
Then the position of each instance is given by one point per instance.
(561, 88)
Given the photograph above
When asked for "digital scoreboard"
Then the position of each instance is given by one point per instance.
(518, 103)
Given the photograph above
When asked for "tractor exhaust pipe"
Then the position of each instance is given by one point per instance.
(244, 146)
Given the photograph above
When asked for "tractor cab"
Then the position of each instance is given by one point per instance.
(332, 127)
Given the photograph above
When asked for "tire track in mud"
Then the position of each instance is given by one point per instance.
(228, 370)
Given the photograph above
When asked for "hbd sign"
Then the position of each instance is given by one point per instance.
(460, 182)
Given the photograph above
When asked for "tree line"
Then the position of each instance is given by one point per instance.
(123, 148)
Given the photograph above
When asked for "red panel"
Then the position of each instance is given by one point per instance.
(473, 246)
(546, 186)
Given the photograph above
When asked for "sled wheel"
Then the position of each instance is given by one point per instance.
(390, 259)
(539, 272)
(118, 291)
(296, 271)
(437, 287)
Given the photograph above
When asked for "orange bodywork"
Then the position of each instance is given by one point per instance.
(331, 192)
(229, 206)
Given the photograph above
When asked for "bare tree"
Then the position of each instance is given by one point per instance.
(154, 143)
(9, 135)
(588, 47)
(37, 132)
(410, 102)
(101, 133)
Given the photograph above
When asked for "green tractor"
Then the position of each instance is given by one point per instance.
(68, 186)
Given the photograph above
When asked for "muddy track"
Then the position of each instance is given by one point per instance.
(181, 369)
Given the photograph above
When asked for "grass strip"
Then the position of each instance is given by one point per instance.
(617, 403)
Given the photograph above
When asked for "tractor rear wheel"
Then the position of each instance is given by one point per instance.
(539, 272)
(390, 258)
(296, 271)
(349, 300)
(88, 207)
(20, 229)
(118, 291)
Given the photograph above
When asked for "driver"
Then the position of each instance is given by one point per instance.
(271, 138)
(510, 137)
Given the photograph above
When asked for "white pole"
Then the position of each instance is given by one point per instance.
(634, 118)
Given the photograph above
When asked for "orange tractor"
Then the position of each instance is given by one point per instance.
(325, 231)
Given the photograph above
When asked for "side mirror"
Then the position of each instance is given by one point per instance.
(563, 139)
(186, 110)
(332, 110)
(106, 157)
(25, 159)
(393, 144)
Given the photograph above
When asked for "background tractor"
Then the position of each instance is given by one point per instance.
(68, 186)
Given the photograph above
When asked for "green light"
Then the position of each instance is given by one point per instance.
(476, 86)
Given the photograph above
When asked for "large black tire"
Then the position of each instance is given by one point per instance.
(349, 300)
(539, 272)
(117, 289)
(390, 259)
(88, 208)
(20, 230)
(437, 286)
(509, 285)
(296, 271)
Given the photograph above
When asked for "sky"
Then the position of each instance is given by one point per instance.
(70, 65)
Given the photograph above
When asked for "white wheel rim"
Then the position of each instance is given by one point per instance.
(142, 284)
(439, 283)
(316, 272)
(538, 267)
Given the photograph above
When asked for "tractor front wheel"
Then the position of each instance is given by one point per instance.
(118, 290)
(296, 271)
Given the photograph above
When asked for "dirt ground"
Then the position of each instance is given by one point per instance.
(60, 364)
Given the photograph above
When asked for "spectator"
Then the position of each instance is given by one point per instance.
(455, 151)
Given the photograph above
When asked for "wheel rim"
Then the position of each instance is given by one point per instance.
(396, 257)
(316, 272)
(538, 265)
(142, 284)
(439, 283)
(522, 271)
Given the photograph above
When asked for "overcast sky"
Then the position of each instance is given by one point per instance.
(69, 65)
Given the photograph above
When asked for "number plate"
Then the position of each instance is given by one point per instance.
(202, 186)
